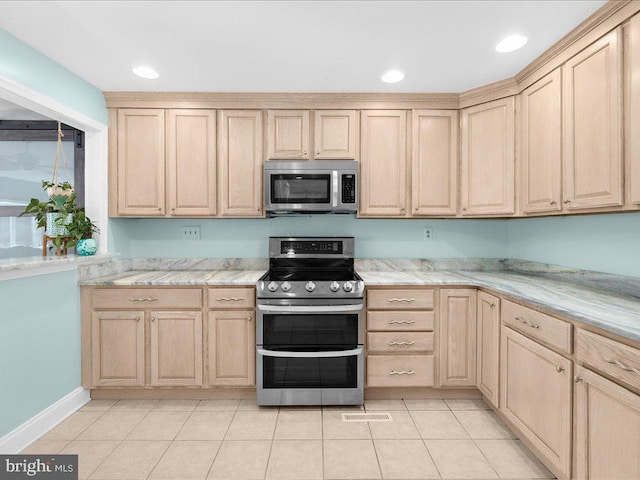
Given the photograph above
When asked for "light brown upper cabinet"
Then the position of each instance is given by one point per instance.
(162, 171)
(288, 134)
(383, 181)
(632, 114)
(487, 176)
(592, 111)
(336, 134)
(140, 174)
(434, 160)
(240, 164)
(191, 161)
(541, 145)
(457, 338)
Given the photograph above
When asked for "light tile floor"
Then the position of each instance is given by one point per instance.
(235, 439)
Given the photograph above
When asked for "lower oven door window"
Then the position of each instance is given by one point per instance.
(285, 370)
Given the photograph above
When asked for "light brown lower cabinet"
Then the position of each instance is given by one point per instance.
(117, 339)
(176, 348)
(535, 395)
(232, 347)
(457, 337)
(607, 429)
(488, 344)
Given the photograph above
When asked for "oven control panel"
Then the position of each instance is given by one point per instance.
(311, 246)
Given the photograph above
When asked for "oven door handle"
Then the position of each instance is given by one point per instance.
(339, 353)
(334, 188)
(310, 309)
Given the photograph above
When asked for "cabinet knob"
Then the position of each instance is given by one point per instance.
(258, 209)
(137, 319)
(492, 305)
(402, 209)
(248, 319)
(559, 368)
(464, 209)
(577, 378)
(153, 319)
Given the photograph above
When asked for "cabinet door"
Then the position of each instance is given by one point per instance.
(117, 344)
(488, 361)
(607, 429)
(240, 171)
(335, 134)
(191, 160)
(232, 347)
(541, 145)
(383, 162)
(535, 394)
(288, 134)
(140, 159)
(632, 115)
(434, 176)
(487, 176)
(176, 348)
(457, 338)
(592, 109)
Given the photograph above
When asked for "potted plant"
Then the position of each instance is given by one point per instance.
(81, 230)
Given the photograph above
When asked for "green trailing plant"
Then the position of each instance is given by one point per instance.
(70, 215)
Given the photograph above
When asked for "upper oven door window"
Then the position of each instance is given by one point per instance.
(310, 332)
(301, 188)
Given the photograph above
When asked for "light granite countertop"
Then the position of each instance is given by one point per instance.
(613, 312)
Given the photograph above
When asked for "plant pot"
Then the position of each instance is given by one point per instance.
(87, 246)
(56, 224)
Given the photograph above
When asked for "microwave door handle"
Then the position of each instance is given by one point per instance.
(310, 309)
(339, 353)
(334, 174)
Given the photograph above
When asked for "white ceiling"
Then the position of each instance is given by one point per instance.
(287, 46)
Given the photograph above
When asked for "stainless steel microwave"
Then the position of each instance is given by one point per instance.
(314, 186)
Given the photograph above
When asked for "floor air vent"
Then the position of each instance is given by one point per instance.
(366, 417)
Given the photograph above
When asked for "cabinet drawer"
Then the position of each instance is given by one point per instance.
(400, 299)
(620, 361)
(232, 297)
(400, 371)
(146, 298)
(400, 321)
(550, 330)
(400, 342)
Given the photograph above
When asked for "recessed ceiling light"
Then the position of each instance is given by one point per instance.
(145, 72)
(392, 76)
(511, 43)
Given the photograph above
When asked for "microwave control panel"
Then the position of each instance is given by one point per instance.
(348, 188)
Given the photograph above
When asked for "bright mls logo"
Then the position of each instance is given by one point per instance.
(39, 467)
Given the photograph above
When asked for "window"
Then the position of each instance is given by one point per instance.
(27, 154)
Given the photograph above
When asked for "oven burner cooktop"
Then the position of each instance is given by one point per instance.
(309, 267)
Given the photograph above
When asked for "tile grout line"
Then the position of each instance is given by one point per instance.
(170, 441)
(375, 452)
(223, 437)
(266, 470)
(423, 440)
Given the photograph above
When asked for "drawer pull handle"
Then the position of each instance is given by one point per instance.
(407, 322)
(527, 322)
(230, 299)
(401, 372)
(396, 299)
(402, 344)
(141, 299)
(623, 366)
(559, 368)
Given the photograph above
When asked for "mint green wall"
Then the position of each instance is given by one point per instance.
(39, 345)
(606, 243)
(27, 66)
(248, 238)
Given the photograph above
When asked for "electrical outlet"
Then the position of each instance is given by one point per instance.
(191, 233)
(428, 233)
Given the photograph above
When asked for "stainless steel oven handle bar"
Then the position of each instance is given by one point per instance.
(310, 309)
(334, 174)
(339, 353)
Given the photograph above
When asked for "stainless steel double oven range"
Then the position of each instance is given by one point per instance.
(310, 328)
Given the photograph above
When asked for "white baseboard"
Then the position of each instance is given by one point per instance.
(21, 437)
